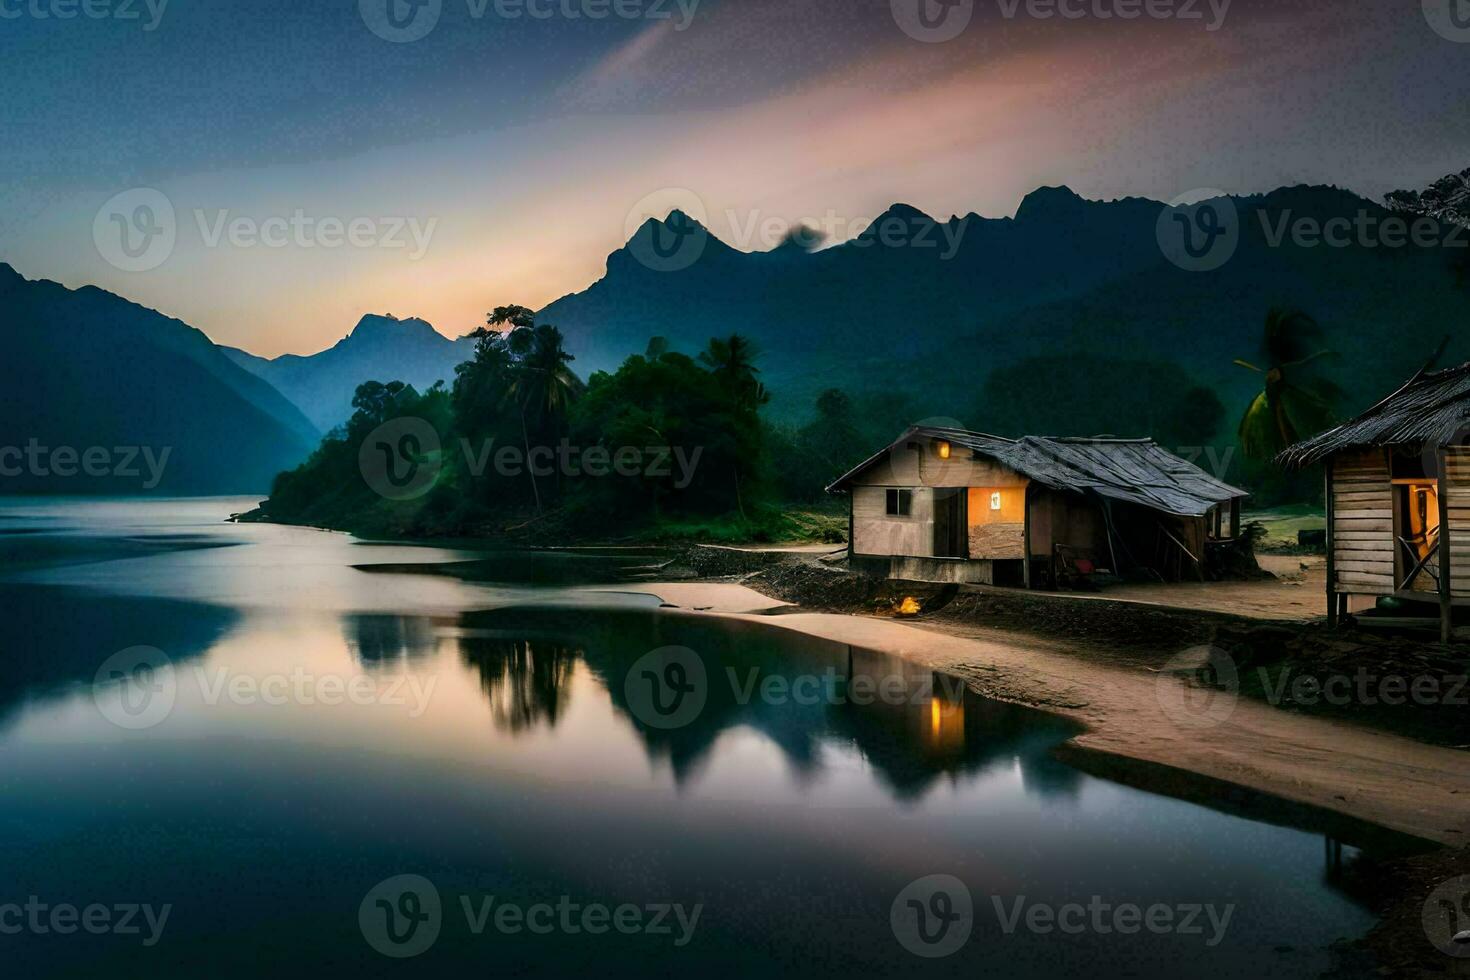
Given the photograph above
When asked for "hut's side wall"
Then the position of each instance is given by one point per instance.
(1362, 524)
(876, 532)
(1457, 497)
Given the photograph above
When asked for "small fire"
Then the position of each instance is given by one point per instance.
(909, 607)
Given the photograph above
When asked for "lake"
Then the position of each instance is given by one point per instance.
(229, 750)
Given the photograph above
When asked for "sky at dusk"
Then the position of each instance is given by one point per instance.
(499, 157)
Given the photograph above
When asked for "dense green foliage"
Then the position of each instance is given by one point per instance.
(665, 441)
(674, 446)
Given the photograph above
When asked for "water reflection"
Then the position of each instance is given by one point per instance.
(50, 641)
(914, 727)
(526, 682)
(379, 640)
(529, 774)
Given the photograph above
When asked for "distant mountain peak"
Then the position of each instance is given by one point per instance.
(900, 212)
(1050, 203)
(386, 326)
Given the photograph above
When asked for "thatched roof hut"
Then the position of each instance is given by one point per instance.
(1398, 487)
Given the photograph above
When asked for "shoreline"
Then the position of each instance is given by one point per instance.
(1406, 803)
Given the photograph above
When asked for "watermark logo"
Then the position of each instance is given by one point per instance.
(667, 688)
(1199, 231)
(401, 916)
(933, 916)
(933, 21)
(675, 235)
(135, 688)
(135, 230)
(1198, 688)
(1446, 917)
(1449, 18)
(400, 21)
(400, 459)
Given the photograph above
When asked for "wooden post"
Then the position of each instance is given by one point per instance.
(1331, 547)
(1026, 534)
(1234, 518)
(851, 523)
(1446, 609)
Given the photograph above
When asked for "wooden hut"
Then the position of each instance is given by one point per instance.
(950, 505)
(1398, 488)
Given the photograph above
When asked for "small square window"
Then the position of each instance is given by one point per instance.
(900, 503)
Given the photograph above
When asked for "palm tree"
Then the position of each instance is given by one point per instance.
(732, 361)
(543, 383)
(1292, 404)
(510, 316)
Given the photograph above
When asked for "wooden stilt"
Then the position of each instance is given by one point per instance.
(1332, 596)
(1446, 609)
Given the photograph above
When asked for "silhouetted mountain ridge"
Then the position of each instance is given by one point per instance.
(87, 369)
(379, 348)
(913, 303)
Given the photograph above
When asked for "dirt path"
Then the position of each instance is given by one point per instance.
(1143, 715)
(1297, 594)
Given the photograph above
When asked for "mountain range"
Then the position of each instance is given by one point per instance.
(915, 309)
(379, 348)
(156, 405)
(1065, 277)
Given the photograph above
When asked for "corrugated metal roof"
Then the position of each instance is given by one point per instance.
(1431, 409)
(1135, 471)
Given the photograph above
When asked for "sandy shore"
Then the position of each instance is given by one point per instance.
(1133, 713)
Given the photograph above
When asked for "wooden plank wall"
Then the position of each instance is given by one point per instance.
(874, 532)
(1457, 493)
(1362, 524)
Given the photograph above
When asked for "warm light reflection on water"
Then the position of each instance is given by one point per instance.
(333, 727)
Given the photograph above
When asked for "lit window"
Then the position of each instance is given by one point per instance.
(900, 503)
(943, 449)
(995, 500)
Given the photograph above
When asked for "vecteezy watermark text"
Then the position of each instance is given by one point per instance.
(137, 688)
(1104, 918)
(137, 230)
(39, 918)
(402, 459)
(934, 917)
(1363, 230)
(120, 462)
(403, 916)
(301, 230)
(935, 21)
(404, 21)
(669, 687)
(119, 10)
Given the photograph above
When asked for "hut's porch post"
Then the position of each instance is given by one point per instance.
(1331, 546)
(1446, 607)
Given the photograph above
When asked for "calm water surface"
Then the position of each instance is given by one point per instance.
(324, 729)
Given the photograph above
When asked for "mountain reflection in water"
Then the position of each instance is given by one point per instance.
(504, 751)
